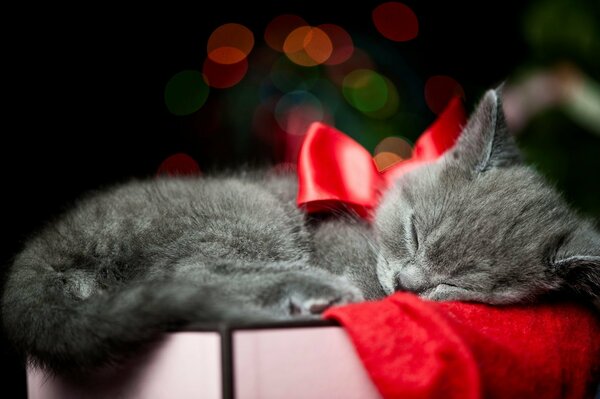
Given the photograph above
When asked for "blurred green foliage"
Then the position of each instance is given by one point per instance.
(561, 147)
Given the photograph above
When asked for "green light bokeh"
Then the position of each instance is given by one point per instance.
(391, 105)
(186, 92)
(365, 90)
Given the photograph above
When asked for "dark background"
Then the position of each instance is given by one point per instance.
(85, 104)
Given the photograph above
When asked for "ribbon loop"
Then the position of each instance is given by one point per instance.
(334, 171)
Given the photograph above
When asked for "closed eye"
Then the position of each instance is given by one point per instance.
(413, 229)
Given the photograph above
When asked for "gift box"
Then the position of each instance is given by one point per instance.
(284, 360)
(399, 347)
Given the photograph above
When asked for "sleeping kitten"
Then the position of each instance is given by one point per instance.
(479, 225)
(127, 264)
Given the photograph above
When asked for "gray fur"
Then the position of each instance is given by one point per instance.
(129, 263)
(488, 228)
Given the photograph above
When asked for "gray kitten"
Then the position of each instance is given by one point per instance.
(127, 264)
(479, 225)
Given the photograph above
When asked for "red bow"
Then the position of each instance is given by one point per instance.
(334, 170)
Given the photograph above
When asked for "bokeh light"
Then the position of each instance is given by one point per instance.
(295, 111)
(397, 145)
(186, 92)
(391, 150)
(439, 90)
(342, 44)
(230, 43)
(226, 55)
(392, 102)
(384, 160)
(365, 90)
(308, 46)
(179, 164)
(396, 21)
(279, 29)
(222, 76)
(358, 60)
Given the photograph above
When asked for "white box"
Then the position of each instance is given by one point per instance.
(278, 361)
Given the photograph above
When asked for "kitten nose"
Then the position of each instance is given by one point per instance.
(412, 279)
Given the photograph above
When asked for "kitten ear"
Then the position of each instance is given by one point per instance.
(577, 262)
(486, 143)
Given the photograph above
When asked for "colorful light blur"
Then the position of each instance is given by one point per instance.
(222, 76)
(185, 93)
(226, 55)
(392, 102)
(230, 44)
(321, 76)
(439, 90)
(396, 21)
(391, 150)
(227, 61)
(397, 145)
(365, 90)
(384, 160)
(308, 46)
(341, 42)
(179, 164)
(358, 60)
(279, 29)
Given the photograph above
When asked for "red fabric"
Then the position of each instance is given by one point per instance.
(335, 170)
(414, 348)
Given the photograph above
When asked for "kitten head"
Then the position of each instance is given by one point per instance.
(480, 225)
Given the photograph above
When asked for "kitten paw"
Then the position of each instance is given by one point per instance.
(313, 306)
(311, 296)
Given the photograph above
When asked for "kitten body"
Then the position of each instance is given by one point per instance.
(129, 263)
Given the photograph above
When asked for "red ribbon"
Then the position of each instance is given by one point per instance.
(335, 171)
